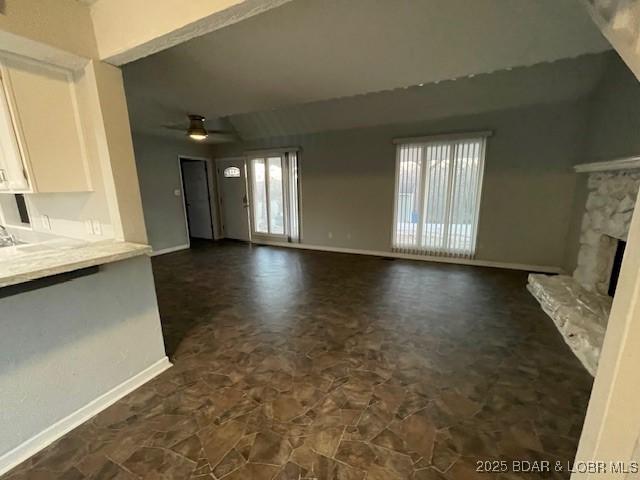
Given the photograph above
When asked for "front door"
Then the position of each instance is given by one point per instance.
(232, 187)
(196, 197)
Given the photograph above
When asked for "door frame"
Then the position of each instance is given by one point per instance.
(263, 236)
(277, 237)
(213, 214)
(219, 176)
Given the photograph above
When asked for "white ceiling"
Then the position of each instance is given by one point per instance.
(312, 50)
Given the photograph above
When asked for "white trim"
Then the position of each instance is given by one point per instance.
(300, 197)
(284, 164)
(445, 137)
(177, 248)
(52, 433)
(483, 159)
(26, 47)
(424, 258)
(183, 201)
(609, 165)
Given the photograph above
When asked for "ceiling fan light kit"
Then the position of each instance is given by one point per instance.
(196, 130)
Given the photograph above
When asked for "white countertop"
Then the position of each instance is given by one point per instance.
(27, 262)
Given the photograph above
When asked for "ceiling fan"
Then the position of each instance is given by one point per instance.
(197, 131)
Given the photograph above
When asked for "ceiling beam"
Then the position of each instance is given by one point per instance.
(127, 30)
(619, 22)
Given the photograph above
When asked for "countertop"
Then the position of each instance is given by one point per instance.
(28, 262)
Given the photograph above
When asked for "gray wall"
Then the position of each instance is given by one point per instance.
(64, 346)
(575, 222)
(159, 176)
(532, 201)
(613, 131)
(614, 119)
(347, 181)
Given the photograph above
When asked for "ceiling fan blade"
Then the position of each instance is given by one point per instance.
(221, 132)
(220, 136)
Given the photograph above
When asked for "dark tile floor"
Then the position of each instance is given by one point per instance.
(303, 365)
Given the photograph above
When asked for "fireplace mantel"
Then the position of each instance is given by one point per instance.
(628, 163)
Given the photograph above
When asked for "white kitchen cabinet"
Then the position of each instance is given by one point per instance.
(12, 171)
(48, 153)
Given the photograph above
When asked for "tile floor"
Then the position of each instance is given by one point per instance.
(306, 365)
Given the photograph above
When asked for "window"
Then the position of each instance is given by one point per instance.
(232, 172)
(274, 191)
(437, 195)
(23, 212)
(14, 210)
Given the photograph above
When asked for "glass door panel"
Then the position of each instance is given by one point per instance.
(274, 194)
(259, 184)
(276, 197)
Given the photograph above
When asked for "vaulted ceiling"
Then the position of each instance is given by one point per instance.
(563, 80)
(315, 50)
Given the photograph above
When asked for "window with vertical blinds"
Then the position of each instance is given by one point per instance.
(437, 195)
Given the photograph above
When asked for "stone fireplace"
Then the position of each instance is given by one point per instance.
(608, 211)
(580, 304)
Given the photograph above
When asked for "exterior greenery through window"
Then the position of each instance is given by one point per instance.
(437, 195)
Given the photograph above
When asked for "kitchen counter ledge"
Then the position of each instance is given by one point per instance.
(31, 262)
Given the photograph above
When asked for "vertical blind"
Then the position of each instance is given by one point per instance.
(437, 196)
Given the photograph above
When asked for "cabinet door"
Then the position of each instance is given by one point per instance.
(12, 171)
(4, 177)
(47, 120)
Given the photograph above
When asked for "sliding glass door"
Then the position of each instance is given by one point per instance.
(437, 196)
(274, 194)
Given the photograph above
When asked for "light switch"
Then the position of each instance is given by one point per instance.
(177, 192)
(88, 227)
(97, 227)
(46, 223)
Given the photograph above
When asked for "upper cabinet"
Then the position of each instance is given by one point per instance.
(13, 175)
(41, 136)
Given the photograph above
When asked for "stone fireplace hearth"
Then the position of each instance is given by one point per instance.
(580, 304)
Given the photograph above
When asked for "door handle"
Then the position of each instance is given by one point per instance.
(245, 201)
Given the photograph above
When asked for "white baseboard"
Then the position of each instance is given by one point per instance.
(36, 443)
(423, 258)
(170, 249)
